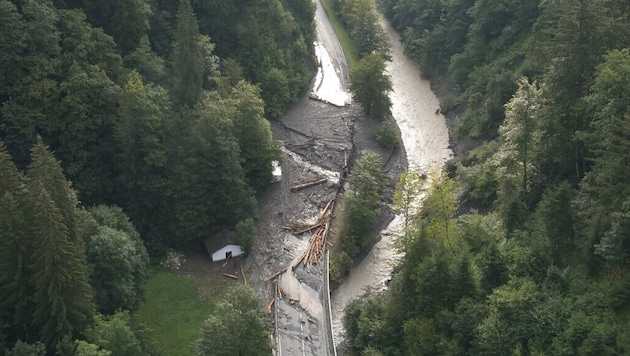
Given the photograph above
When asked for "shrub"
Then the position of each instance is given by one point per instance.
(387, 137)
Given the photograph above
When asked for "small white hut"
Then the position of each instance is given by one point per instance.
(222, 246)
(276, 171)
(226, 252)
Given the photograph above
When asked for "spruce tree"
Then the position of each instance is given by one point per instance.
(11, 178)
(62, 291)
(14, 246)
(188, 62)
(45, 172)
(208, 180)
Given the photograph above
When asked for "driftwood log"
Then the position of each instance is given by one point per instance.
(270, 305)
(243, 274)
(276, 274)
(299, 187)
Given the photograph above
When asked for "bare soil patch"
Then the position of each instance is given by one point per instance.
(208, 275)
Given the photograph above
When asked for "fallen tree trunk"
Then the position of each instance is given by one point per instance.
(243, 274)
(275, 274)
(270, 305)
(298, 187)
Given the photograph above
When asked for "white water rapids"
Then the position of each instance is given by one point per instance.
(425, 140)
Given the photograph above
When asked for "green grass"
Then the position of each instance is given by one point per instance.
(349, 49)
(173, 312)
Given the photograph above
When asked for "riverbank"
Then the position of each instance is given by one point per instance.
(425, 142)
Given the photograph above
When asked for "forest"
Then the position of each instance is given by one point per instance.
(128, 128)
(131, 127)
(522, 245)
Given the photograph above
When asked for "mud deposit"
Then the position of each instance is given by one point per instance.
(321, 139)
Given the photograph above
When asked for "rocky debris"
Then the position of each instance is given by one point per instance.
(320, 143)
(286, 264)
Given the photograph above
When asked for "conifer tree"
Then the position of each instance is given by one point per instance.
(15, 287)
(570, 37)
(11, 178)
(45, 172)
(14, 247)
(608, 182)
(607, 186)
(188, 62)
(64, 301)
(206, 174)
(141, 162)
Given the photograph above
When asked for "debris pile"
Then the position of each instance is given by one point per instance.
(315, 251)
(300, 228)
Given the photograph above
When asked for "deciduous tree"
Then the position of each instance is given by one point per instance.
(407, 194)
(236, 327)
(253, 132)
(520, 139)
(361, 205)
(371, 85)
(118, 260)
(114, 334)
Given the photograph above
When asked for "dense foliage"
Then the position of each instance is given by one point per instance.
(236, 327)
(542, 266)
(142, 113)
(154, 108)
(361, 209)
(370, 84)
(61, 263)
(45, 288)
(117, 257)
(363, 23)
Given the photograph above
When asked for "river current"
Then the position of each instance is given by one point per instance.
(425, 140)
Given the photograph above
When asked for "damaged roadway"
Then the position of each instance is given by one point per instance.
(317, 143)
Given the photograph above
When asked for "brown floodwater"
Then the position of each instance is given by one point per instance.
(425, 139)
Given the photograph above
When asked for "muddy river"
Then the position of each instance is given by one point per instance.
(425, 140)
